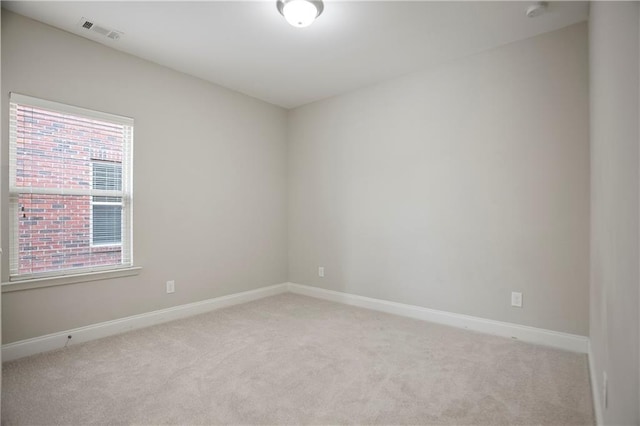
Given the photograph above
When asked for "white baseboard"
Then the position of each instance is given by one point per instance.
(57, 340)
(53, 341)
(570, 342)
(595, 389)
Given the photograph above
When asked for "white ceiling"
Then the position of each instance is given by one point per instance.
(247, 46)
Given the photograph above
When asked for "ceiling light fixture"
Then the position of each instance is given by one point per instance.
(300, 13)
(536, 9)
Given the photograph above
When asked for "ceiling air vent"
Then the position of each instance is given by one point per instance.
(85, 24)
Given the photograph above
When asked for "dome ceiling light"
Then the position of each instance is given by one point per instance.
(300, 13)
(536, 9)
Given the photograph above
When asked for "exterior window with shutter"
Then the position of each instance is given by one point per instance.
(70, 189)
(106, 213)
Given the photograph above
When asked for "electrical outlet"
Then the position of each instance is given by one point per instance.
(171, 286)
(516, 299)
(321, 271)
(605, 390)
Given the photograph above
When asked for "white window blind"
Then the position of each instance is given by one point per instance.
(70, 189)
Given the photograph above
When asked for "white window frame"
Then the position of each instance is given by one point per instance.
(126, 194)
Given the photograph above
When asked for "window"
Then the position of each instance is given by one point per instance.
(106, 212)
(70, 189)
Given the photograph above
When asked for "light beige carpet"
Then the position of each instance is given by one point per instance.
(291, 359)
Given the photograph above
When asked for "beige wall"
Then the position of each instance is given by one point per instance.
(209, 180)
(448, 188)
(614, 88)
(451, 188)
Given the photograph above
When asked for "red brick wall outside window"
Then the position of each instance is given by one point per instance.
(55, 152)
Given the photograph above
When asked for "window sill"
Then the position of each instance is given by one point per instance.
(68, 279)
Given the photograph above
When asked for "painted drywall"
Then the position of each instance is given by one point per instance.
(453, 187)
(209, 180)
(614, 45)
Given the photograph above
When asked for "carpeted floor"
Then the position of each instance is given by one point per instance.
(291, 359)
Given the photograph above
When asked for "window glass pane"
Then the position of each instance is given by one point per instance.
(107, 224)
(55, 150)
(107, 176)
(54, 233)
